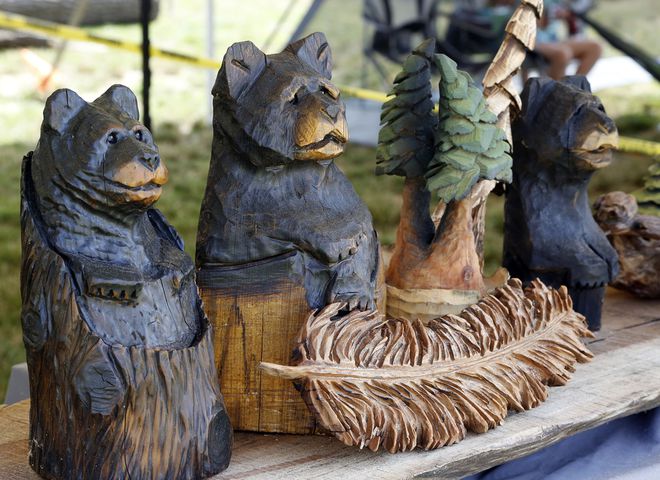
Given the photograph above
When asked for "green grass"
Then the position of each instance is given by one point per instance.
(180, 102)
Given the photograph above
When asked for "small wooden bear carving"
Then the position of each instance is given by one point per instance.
(561, 138)
(273, 191)
(636, 239)
(122, 378)
(281, 230)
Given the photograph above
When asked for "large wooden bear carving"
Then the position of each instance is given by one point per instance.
(561, 138)
(281, 229)
(122, 378)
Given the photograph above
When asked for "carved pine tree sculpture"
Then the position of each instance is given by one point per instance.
(470, 147)
(448, 154)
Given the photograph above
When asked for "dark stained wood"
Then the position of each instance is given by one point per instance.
(561, 137)
(119, 351)
(624, 377)
(281, 230)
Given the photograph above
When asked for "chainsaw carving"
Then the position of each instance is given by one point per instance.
(636, 239)
(561, 138)
(396, 384)
(281, 229)
(119, 351)
(458, 154)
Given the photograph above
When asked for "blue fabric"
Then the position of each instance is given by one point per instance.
(627, 448)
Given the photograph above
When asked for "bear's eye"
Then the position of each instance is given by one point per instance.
(112, 138)
(328, 92)
(139, 135)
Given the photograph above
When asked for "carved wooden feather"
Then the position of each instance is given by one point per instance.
(397, 384)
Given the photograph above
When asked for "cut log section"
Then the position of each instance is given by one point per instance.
(257, 311)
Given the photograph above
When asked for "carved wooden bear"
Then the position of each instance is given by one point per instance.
(561, 138)
(122, 378)
(278, 215)
(273, 191)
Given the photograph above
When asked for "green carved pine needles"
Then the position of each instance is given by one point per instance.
(452, 149)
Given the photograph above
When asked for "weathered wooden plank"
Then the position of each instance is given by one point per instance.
(623, 379)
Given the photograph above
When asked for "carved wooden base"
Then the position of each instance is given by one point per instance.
(428, 303)
(256, 312)
(396, 384)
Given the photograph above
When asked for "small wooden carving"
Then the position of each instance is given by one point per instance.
(398, 384)
(446, 154)
(636, 239)
(281, 228)
(460, 154)
(561, 138)
(122, 376)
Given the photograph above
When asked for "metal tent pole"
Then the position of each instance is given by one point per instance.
(145, 14)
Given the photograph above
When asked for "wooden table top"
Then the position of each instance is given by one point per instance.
(623, 379)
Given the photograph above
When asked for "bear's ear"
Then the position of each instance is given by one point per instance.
(532, 95)
(577, 81)
(242, 65)
(61, 107)
(122, 98)
(315, 52)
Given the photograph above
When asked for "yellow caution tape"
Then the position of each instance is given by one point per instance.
(20, 22)
(635, 145)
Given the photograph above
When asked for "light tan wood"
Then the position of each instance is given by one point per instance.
(397, 384)
(429, 303)
(626, 357)
(250, 329)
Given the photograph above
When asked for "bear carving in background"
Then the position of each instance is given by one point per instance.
(274, 195)
(119, 351)
(636, 239)
(561, 137)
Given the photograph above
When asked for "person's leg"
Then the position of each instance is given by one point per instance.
(558, 55)
(587, 52)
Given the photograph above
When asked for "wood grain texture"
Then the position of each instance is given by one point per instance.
(502, 97)
(380, 382)
(119, 351)
(626, 356)
(251, 328)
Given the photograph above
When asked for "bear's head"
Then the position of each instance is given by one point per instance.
(615, 211)
(98, 152)
(564, 125)
(280, 108)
